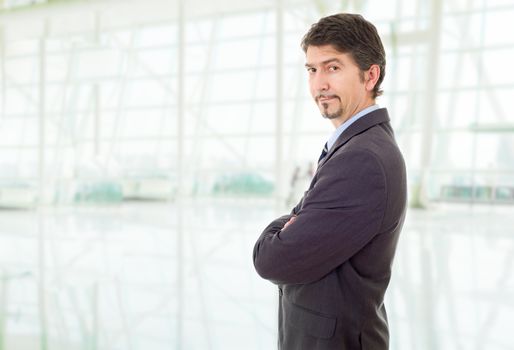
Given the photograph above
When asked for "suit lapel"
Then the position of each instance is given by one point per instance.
(376, 117)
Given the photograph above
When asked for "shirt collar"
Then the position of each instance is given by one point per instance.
(349, 122)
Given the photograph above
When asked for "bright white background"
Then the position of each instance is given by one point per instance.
(133, 184)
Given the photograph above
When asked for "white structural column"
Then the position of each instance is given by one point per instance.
(180, 98)
(42, 191)
(2, 71)
(42, 114)
(96, 107)
(429, 118)
(180, 175)
(95, 328)
(279, 98)
(3, 308)
(430, 97)
(96, 93)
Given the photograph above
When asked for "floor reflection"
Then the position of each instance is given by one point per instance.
(149, 276)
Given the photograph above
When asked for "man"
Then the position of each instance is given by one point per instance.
(331, 257)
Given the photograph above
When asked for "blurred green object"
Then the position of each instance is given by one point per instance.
(104, 191)
(152, 188)
(456, 192)
(17, 195)
(505, 193)
(484, 193)
(243, 184)
(415, 200)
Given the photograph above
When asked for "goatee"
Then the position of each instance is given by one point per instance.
(334, 115)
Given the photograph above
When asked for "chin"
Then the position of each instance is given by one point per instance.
(331, 115)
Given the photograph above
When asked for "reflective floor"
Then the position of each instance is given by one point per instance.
(151, 276)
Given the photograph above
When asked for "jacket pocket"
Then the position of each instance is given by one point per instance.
(309, 322)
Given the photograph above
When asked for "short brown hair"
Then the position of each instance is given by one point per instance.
(352, 34)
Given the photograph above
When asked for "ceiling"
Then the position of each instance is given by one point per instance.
(65, 16)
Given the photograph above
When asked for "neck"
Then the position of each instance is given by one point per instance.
(337, 122)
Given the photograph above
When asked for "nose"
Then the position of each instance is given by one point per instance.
(319, 82)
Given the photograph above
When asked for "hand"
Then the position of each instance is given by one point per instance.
(293, 218)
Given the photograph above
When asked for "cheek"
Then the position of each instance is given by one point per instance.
(312, 91)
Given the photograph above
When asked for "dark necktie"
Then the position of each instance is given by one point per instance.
(323, 153)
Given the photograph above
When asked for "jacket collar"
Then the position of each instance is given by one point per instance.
(371, 119)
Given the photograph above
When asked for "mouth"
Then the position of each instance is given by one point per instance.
(325, 99)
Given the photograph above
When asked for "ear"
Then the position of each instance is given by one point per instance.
(371, 77)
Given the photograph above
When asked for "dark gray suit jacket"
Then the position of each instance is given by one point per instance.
(333, 263)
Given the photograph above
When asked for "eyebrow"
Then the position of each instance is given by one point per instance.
(326, 62)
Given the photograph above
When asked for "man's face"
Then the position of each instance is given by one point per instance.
(336, 83)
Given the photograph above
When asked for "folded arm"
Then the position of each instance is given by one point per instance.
(339, 216)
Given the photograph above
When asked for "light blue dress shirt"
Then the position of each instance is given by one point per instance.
(349, 122)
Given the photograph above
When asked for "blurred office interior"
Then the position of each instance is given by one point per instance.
(145, 144)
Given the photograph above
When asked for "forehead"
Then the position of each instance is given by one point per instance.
(316, 55)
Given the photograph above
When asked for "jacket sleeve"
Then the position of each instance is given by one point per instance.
(340, 214)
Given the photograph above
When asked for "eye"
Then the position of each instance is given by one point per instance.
(311, 70)
(333, 68)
